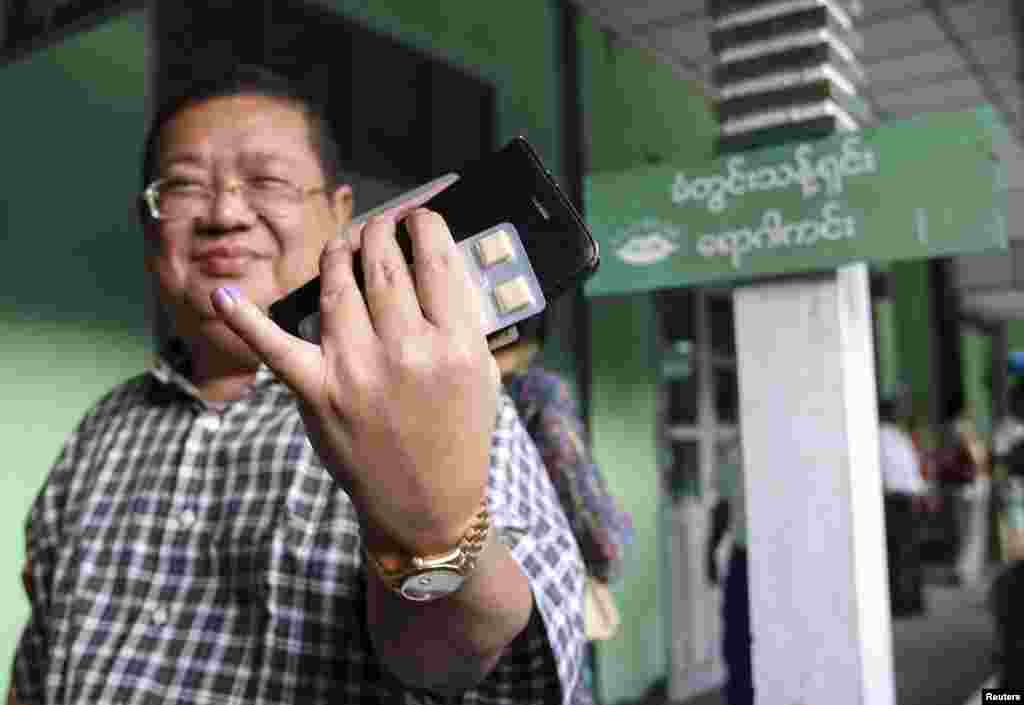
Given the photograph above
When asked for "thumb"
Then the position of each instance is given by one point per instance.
(295, 361)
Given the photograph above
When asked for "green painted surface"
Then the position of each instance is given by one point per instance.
(623, 404)
(888, 355)
(53, 371)
(911, 303)
(1015, 335)
(804, 206)
(637, 112)
(73, 304)
(977, 376)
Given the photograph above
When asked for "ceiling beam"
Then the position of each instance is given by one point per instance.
(940, 12)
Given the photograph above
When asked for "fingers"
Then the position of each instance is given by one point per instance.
(447, 295)
(437, 288)
(343, 314)
(390, 294)
(295, 361)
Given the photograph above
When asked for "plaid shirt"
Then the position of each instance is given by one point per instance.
(548, 410)
(184, 553)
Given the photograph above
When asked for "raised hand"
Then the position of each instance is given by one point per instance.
(400, 396)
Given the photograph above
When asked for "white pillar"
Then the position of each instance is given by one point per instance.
(818, 584)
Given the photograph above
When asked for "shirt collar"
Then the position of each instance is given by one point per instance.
(172, 369)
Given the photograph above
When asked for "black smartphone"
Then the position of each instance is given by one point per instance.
(523, 241)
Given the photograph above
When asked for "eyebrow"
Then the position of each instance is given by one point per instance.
(268, 157)
(254, 158)
(185, 158)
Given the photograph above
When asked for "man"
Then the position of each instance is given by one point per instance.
(730, 511)
(191, 545)
(1010, 429)
(903, 491)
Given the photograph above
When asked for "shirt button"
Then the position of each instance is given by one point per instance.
(173, 523)
(159, 616)
(211, 422)
(187, 518)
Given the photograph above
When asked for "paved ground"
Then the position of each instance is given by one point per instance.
(945, 656)
(941, 658)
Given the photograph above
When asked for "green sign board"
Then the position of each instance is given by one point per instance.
(925, 187)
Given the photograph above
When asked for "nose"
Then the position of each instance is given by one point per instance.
(229, 207)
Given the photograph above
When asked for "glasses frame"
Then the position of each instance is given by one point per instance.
(150, 196)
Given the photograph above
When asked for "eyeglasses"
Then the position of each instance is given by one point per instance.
(176, 198)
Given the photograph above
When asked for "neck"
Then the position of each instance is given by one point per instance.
(221, 374)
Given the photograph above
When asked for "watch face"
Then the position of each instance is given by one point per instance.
(431, 584)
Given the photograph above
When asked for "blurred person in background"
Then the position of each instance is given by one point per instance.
(729, 515)
(1008, 470)
(550, 414)
(1010, 429)
(960, 459)
(1006, 598)
(976, 492)
(904, 492)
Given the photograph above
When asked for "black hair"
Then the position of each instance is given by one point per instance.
(887, 410)
(534, 328)
(1015, 400)
(247, 79)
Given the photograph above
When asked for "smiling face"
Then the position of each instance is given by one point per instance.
(221, 144)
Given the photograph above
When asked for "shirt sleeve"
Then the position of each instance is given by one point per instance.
(543, 665)
(42, 530)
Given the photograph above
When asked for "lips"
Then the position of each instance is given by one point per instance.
(225, 261)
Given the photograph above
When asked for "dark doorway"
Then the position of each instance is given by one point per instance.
(401, 115)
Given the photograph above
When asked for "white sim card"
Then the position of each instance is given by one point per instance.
(509, 288)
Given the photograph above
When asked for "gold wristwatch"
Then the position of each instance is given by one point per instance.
(426, 578)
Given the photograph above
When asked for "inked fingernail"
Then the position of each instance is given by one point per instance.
(227, 295)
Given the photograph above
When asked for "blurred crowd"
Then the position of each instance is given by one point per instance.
(954, 503)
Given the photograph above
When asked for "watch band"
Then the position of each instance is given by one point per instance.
(425, 578)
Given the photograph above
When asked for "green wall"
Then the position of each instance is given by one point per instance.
(637, 112)
(911, 347)
(977, 375)
(623, 408)
(911, 303)
(1015, 335)
(73, 304)
(888, 371)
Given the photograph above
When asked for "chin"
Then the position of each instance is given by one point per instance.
(224, 339)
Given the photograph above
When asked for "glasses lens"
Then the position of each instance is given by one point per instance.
(272, 195)
(188, 199)
(181, 199)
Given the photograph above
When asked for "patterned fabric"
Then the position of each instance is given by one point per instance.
(550, 414)
(183, 553)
